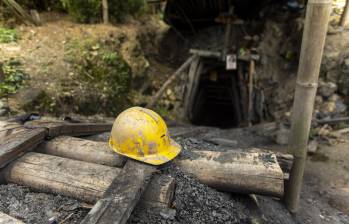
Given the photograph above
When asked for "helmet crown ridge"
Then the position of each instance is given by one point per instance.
(141, 134)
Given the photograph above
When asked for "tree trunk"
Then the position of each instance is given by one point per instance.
(314, 35)
(345, 15)
(105, 7)
(81, 180)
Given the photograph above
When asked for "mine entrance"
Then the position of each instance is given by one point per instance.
(217, 101)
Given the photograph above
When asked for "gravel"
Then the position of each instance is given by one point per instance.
(194, 203)
(38, 208)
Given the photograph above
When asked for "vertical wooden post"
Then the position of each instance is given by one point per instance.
(345, 15)
(105, 11)
(314, 35)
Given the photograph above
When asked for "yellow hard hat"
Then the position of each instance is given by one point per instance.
(141, 134)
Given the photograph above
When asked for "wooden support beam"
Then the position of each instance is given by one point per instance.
(168, 82)
(122, 196)
(81, 180)
(71, 129)
(16, 144)
(20, 12)
(6, 219)
(228, 171)
(314, 35)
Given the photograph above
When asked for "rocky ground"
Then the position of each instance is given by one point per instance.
(325, 196)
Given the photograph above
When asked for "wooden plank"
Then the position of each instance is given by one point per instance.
(6, 219)
(122, 196)
(80, 180)
(15, 145)
(71, 129)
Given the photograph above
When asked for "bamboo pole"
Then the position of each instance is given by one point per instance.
(314, 35)
(345, 15)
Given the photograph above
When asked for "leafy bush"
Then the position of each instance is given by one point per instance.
(104, 76)
(14, 78)
(119, 9)
(84, 11)
(8, 35)
(88, 11)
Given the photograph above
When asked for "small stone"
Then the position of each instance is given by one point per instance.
(327, 89)
(282, 136)
(168, 214)
(328, 108)
(4, 109)
(312, 146)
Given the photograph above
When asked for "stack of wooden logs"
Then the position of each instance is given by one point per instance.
(91, 172)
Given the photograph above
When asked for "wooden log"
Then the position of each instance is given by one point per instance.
(159, 193)
(122, 196)
(71, 129)
(240, 172)
(81, 180)
(8, 128)
(16, 144)
(257, 173)
(80, 149)
(6, 219)
(168, 82)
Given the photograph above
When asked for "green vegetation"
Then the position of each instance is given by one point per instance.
(89, 11)
(84, 11)
(103, 75)
(8, 35)
(14, 78)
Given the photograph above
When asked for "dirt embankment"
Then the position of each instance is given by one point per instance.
(47, 56)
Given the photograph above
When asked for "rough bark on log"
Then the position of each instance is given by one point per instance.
(257, 173)
(16, 144)
(6, 219)
(72, 178)
(122, 196)
(160, 192)
(71, 129)
(240, 172)
(77, 148)
(81, 180)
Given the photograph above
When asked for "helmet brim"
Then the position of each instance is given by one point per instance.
(161, 157)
